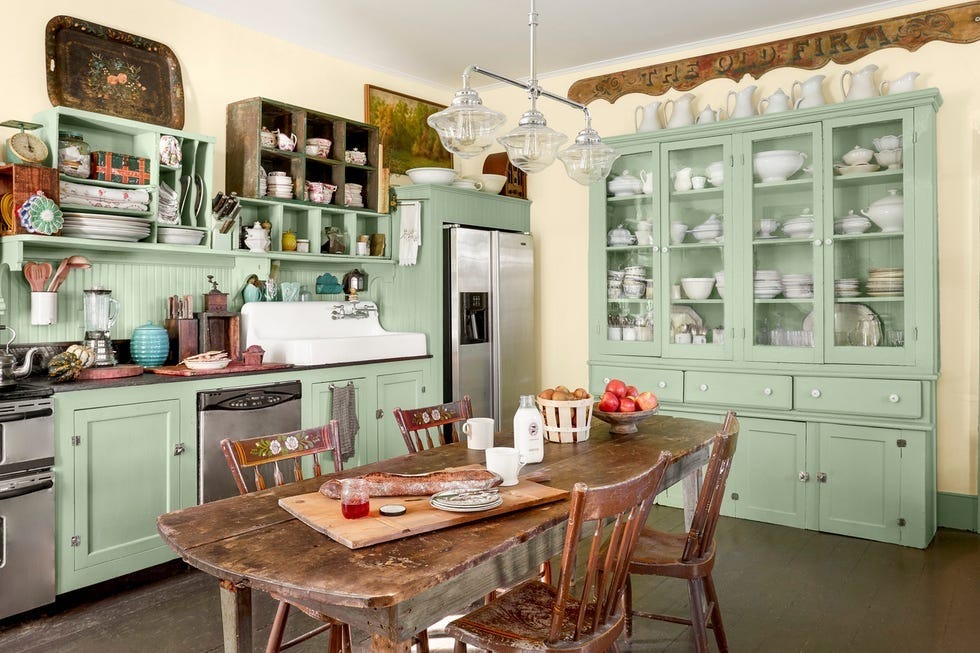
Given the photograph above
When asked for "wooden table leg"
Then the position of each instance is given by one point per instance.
(692, 486)
(236, 617)
(382, 644)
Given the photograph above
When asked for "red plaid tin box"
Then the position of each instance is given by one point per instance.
(120, 168)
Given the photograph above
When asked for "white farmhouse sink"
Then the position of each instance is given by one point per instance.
(308, 333)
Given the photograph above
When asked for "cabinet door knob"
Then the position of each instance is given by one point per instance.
(821, 477)
(817, 242)
(179, 448)
(767, 392)
(815, 393)
(894, 398)
(828, 241)
(665, 249)
(656, 248)
(662, 384)
(703, 387)
(379, 413)
(804, 477)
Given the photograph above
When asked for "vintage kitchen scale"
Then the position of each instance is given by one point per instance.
(25, 147)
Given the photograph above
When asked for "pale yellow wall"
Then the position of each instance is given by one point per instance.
(222, 62)
(559, 214)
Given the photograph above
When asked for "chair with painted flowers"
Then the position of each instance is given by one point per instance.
(425, 428)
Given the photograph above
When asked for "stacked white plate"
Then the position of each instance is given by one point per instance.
(263, 186)
(167, 204)
(352, 195)
(847, 287)
(886, 282)
(466, 500)
(174, 236)
(105, 227)
(279, 185)
(768, 284)
(798, 286)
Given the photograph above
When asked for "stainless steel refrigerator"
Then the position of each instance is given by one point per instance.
(489, 330)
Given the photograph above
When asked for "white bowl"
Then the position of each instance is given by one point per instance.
(887, 142)
(798, 230)
(857, 155)
(889, 158)
(634, 289)
(697, 287)
(492, 184)
(431, 175)
(706, 232)
(777, 165)
(715, 170)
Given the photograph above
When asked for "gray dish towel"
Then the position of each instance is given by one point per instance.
(345, 412)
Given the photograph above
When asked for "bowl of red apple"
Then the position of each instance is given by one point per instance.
(623, 406)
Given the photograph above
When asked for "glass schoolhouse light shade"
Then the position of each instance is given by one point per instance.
(588, 159)
(466, 127)
(532, 145)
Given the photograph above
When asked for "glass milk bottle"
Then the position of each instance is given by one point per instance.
(529, 431)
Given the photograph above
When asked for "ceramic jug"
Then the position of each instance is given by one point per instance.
(646, 178)
(811, 93)
(647, 118)
(862, 83)
(707, 115)
(682, 113)
(682, 179)
(744, 107)
(903, 84)
(775, 103)
(286, 141)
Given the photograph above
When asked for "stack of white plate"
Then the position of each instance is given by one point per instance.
(847, 287)
(798, 286)
(279, 184)
(105, 227)
(466, 500)
(768, 284)
(174, 236)
(886, 282)
(263, 186)
(167, 205)
(352, 195)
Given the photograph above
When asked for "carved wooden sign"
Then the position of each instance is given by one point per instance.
(956, 24)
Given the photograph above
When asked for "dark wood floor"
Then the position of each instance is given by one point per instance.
(781, 590)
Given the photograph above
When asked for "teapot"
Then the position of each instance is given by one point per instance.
(625, 184)
(707, 115)
(862, 83)
(286, 142)
(8, 372)
(903, 84)
(775, 103)
(620, 236)
(647, 119)
(646, 178)
(682, 114)
(743, 102)
(811, 93)
(257, 237)
(682, 179)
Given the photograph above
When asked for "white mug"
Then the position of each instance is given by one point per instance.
(506, 461)
(479, 432)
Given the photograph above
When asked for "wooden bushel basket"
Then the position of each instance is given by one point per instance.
(566, 421)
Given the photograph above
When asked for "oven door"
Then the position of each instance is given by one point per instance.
(26, 542)
(26, 436)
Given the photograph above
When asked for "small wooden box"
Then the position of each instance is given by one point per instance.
(183, 339)
(219, 331)
(23, 181)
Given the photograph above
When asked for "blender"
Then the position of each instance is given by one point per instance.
(100, 314)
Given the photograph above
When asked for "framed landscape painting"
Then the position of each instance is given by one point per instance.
(407, 139)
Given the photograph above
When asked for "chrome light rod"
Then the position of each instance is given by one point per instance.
(532, 89)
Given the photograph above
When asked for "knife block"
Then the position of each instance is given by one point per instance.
(183, 336)
(219, 331)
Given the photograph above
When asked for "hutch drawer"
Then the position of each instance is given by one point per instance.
(885, 397)
(750, 390)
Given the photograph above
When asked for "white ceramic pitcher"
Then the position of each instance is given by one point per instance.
(903, 84)
(682, 179)
(744, 106)
(811, 93)
(775, 103)
(682, 114)
(862, 83)
(646, 178)
(647, 119)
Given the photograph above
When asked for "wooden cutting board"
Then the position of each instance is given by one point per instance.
(233, 367)
(111, 372)
(323, 514)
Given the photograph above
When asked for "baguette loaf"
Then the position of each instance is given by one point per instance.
(383, 484)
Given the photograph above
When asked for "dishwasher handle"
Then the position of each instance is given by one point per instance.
(39, 486)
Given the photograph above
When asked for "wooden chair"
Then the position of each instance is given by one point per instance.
(604, 522)
(292, 447)
(423, 428)
(691, 555)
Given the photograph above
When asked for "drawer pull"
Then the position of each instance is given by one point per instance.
(815, 393)
(894, 398)
(703, 387)
(662, 384)
(767, 392)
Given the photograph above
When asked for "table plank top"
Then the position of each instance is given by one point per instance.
(250, 539)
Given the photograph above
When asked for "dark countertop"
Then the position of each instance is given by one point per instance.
(149, 378)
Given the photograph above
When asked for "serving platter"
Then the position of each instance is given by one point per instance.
(97, 68)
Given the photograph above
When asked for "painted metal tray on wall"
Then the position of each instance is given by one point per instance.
(100, 69)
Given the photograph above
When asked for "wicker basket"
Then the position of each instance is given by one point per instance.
(566, 421)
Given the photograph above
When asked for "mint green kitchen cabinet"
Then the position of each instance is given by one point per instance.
(366, 442)
(398, 390)
(816, 319)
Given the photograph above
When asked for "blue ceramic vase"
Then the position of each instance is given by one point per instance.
(149, 345)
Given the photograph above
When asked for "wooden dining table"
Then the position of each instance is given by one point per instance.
(394, 589)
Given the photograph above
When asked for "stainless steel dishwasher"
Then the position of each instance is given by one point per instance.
(239, 413)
